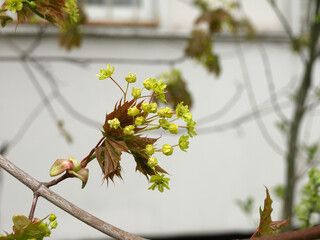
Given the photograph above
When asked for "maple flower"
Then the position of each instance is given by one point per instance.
(153, 107)
(183, 142)
(152, 162)
(159, 181)
(158, 88)
(139, 121)
(136, 92)
(105, 73)
(167, 149)
(190, 127)
(134, 111)
(149, 149)
(52, 217)
(53, 224)
(165, 112)
(164, 123)
(148, 83)
(128, 130)
(183, 112)
(14, 5)
(173, 128)
(131, 78)
(114, 123)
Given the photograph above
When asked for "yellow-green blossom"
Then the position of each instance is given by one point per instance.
(183, 112)
(158, 88)
(53, 224)
(105, 73)
(139, 121)
(183, 142)
(167, 149)
(164, 123)
(114, 123)
(165, 112)
(152, 162)
(145, 107)
(14, 5)
(128, 130)
(148, 83)
(134, 111)
(131, 78)
(153, 108)
(159, 181)
(136, 92)
(190, 127)
(52, 217)
(173, 128)
(149, 149)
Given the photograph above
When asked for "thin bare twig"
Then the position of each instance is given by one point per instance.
(41, 190)
(253, 102)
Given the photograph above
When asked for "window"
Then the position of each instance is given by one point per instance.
(120, 10)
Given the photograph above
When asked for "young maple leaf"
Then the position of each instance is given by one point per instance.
(267, 226)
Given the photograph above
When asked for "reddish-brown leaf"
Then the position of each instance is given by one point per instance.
(109, 156)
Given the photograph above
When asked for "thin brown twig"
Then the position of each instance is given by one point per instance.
(41, 190)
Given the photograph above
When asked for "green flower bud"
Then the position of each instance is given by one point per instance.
(165, 112)
(131, 78)
(173, 128)
(145, 107)
(152, 162)
(52, 217)
(167, 149)
(128, 130)
(148, 83)
(139, 121)
(136, 92)
(164, 123)
(153, 107)
(183, 142)
(53, 224)
(134, 111)
(114, 123)
(149, 149)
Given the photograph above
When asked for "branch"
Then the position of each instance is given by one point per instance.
(301, 234)
(40, 189)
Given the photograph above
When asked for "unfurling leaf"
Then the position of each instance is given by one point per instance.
(25, 229)
(59, 166)
(267, 226)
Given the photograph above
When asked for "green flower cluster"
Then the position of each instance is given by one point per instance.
(142, 115)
